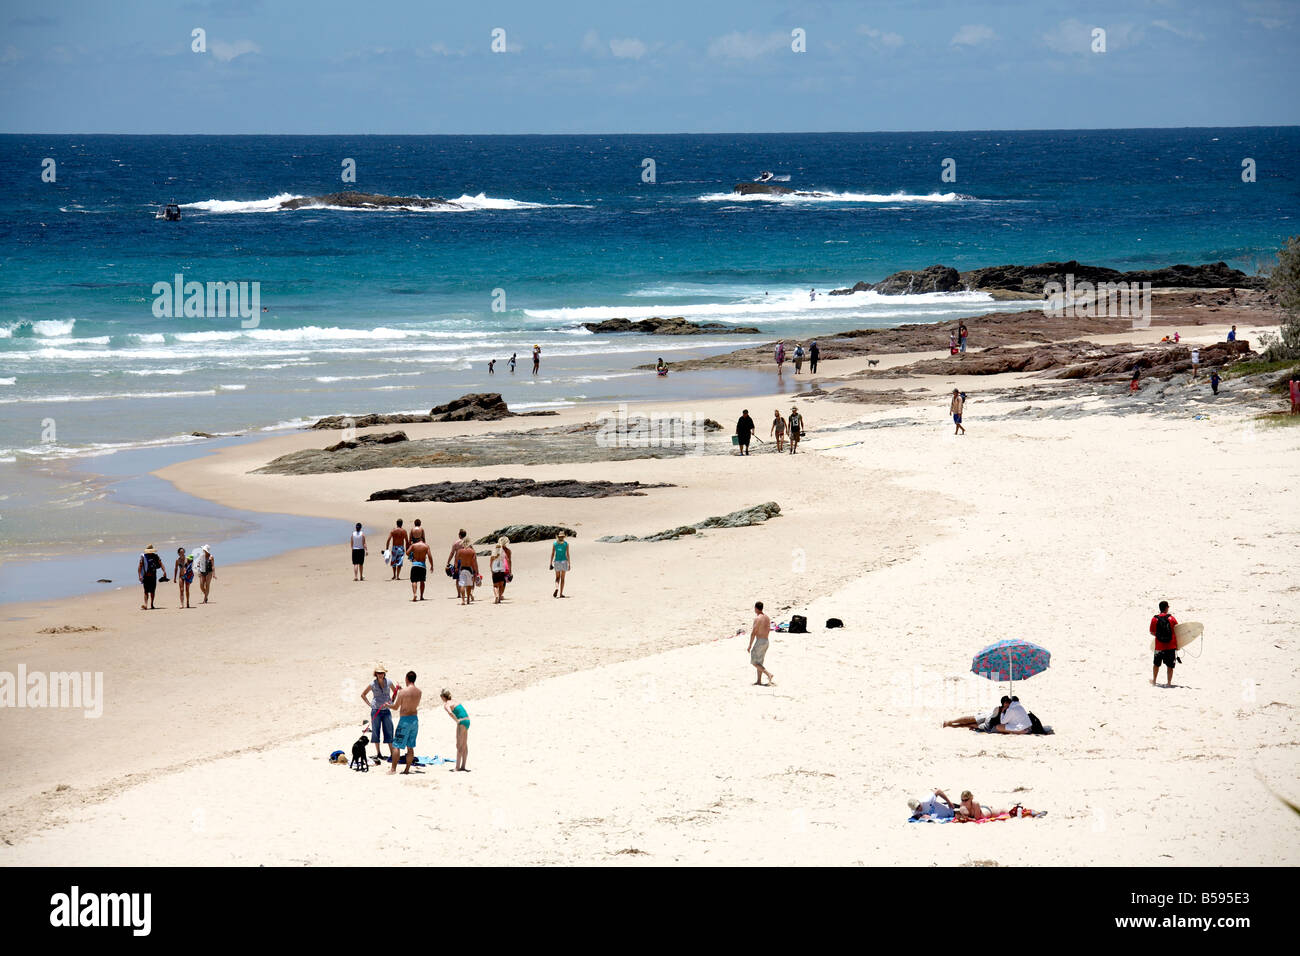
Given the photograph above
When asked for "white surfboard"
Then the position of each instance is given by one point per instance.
(1184, 634)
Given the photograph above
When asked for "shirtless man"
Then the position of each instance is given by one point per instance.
(407, 705)
(958, 403)
(468, 576)
(397, 543)
(451, 558)
(758, 644)
(420, 560)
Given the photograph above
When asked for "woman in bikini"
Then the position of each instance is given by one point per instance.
(183, 572)
(778, 429)
(456, 711)
(968, 811)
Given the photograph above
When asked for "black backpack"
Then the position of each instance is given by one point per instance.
(834, 622)
(1164, 630)
(152, 562)
(1035, 725)
(798, 624)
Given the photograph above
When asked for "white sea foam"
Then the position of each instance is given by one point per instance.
(149, 338)
(109, 397)
(7, 381)
(464, 203)
(157, 371)
(241, 205)
(839, 197)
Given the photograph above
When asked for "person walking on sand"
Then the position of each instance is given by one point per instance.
(758, 640)
(377, 695)
(778, 429)
(420, 561)
(358, 542)
(146, 570)
(744, 429)
(798, 358)
(417, 532)
(183, 572)
(498, 567)
(537, 358)
(560, 562)
(962, 332)
(396, 545)
(814, 354)
(780, 357)
(467, 575)
(407, 705)
(1162, 629)
(452, 563)
(456, 711)
(796, 426)
(1214, 380)
(206, 566)
(958, 403)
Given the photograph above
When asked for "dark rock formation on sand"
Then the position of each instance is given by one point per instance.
(737, 519)
(524, 533)
(355, 200)
(1030, 280)
(673, 326)
(475, 407)
(1076, 360)
(379, 438)
(461, 491)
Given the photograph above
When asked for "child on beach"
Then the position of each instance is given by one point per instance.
(183, 572)
(456, 711)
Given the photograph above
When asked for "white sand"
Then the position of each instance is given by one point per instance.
(625, 717)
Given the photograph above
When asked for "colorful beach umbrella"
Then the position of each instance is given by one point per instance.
(1011, 659)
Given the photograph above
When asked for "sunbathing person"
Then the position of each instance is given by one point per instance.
(932, 808)
(1015, 719)
(986, 723)
(968, 811)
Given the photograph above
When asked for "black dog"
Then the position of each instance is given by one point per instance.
(359, 761)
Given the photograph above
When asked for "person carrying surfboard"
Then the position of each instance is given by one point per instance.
(1162, 629)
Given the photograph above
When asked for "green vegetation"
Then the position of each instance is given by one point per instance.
(1259, 367)
(1284, 280)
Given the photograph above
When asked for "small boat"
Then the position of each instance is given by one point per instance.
(171, 212)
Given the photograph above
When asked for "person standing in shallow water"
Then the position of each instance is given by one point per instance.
(560, 563)
(513, 359)
(814, 355)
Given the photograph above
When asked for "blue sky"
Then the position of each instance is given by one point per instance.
(579, 66)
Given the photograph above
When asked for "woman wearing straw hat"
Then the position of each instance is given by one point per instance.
(381, 718)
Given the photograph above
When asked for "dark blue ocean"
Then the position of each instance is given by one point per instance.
(399, 310)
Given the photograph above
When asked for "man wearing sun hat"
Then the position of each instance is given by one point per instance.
(381, 718)
(147, 571)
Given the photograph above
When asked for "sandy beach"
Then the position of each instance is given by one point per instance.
(621, 725)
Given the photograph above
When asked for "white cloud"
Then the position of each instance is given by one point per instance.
(225, 52)
(591, 42)
(629, 49)
(1177, 31)
(747, 46)
(882, 37)
(973, 34)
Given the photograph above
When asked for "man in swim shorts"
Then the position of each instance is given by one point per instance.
(1162, 629)
(381, 718)
(758, 643)
(467, 575)
(407, 705)
(420, 555)
(396, 544)
(958, 403)
(451, 559)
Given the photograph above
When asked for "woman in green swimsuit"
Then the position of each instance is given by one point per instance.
(559, 563)
(456, 711)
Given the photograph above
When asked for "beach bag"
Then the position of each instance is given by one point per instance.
(1035, 725)
(152, 563)
(798, 624)
(834, 622)
(451, 571)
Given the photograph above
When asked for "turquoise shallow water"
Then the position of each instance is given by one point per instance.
(400, 310)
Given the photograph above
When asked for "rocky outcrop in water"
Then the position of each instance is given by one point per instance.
(673, 326)
(1028, 281)
(460, 491)
(770, 189)
(737, 519)
(356, 200)
(524, 533)
(475, 407)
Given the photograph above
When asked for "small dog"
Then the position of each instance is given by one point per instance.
(871, 362)
(359, 761)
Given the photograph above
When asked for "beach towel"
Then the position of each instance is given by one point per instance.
(434, 761)
(927, 818)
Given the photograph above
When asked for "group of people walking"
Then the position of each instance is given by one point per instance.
(813, 354)
(792, 428)
(462, 564)
(186, 567)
